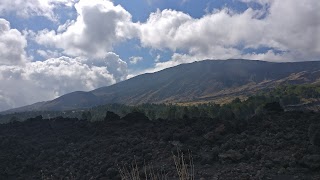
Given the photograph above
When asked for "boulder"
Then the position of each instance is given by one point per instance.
(231, 155)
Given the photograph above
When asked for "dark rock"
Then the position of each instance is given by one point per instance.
(111, 116)
(283, 177)
(215, 134)
(273, 107)
(314, 149)
(221, 129)
(231, 154)
(112, 172)
(38, 118)
(136, 117)
(210, 136)
(92, 150)
(314, 134)
(311, 161)
(269, 164)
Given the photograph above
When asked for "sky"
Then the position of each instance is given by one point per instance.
(52, 47)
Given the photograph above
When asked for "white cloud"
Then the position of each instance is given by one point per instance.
(178, 31)
(48, 53)
(161, 27)
(65, 74)
(99, 26)
(115, 66)
(44, 80)
(12, 45)
(158, 58)
(288, 26)
(33, 7)
(135, 59)
(63, 27)
(295, 26)
(291, 27)
(24, 82)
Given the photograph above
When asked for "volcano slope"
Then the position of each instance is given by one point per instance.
(269, 146)
(199, 82)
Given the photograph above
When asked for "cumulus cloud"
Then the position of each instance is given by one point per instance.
(12, 45)
(288, 28)
(294, 26)
(161, 27)
(178, 31)
(135, 59)
(115, 66)
(24, 81)
(99, 26)
(33, 7)
(63, 75)
(43, 80)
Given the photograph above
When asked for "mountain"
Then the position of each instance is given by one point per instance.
(201, 81)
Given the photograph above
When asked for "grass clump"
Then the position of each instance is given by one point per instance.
(184, 169)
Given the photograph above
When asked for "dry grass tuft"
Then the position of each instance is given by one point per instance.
(184, 168)
(133, 172)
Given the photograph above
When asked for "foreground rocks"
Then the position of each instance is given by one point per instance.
(278, 145)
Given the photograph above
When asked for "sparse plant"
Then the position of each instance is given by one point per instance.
(50, 177)
(132, 172)
(184, 168)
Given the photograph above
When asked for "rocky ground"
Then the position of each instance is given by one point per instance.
(275, 145)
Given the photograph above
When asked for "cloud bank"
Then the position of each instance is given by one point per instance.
(44, 80)
(30, 8)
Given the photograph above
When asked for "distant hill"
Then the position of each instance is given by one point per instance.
(209, 80)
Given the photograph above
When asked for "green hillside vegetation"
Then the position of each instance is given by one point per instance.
(295, 94)
(238, 109)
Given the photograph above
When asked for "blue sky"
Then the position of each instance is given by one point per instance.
(53, 47)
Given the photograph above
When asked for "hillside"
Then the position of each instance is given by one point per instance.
(195, 82)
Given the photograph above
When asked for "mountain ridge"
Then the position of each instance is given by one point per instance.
(200, 81)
